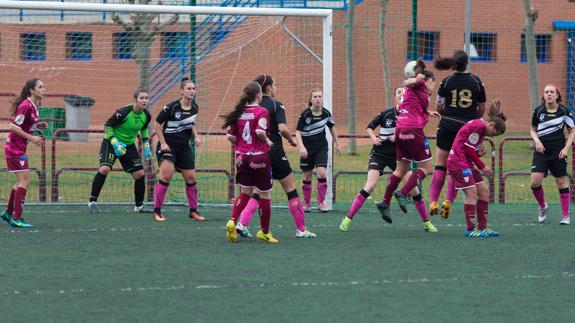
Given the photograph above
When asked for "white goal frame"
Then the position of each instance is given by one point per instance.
(325, 14)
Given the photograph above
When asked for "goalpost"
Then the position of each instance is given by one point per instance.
(106, 51)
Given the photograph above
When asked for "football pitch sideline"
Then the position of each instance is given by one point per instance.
(121, 266)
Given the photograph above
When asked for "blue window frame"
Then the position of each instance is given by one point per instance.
(427, 43)
(33, 46)
(542, 48)
(485, 45)
(175, 45)
(78, 46)
(122, 45)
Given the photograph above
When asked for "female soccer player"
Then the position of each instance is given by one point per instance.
(247, 127)
(383, 155)
(313, 147)
(174, 126)
(463, 155)
(551, 149)
(25, 121)
(411, 143)
(460, 98)
(281, 169)
(120, 133)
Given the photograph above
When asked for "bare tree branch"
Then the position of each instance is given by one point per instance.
(117, 20)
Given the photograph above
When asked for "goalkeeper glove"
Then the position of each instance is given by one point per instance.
(119, 147)
(147, 152)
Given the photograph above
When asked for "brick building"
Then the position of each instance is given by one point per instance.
(496, 27)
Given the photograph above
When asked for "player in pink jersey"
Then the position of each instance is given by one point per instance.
(464, 153)
(411, 143)
(247, 128)
(25, 121)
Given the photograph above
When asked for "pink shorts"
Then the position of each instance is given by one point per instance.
(465, 178)
(411, 144)
(254, 171)
(17, 164)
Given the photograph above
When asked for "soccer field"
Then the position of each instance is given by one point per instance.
(121, 266)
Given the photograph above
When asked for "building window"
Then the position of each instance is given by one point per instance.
(485, 45)
(175, 45)
(122, 45)
(33, 46)
(542, 48)
(427, 43)
(78, 46)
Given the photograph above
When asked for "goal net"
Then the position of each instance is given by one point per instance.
(92, 56)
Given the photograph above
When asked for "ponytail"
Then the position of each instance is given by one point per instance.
(251, 90)
(458, 61)
(495, 115)
(24, 94)
(264, 81)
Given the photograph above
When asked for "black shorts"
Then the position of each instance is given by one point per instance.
(180, 155)
(544, 163)
(316, 157)
(131, 161)
(280, 164)
(446, 137)
(379, 162)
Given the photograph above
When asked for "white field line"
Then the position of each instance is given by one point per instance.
(302, 284)
(221, 227)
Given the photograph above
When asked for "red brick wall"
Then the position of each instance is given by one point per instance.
(111, 82)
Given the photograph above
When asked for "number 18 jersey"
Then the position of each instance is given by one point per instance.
(254, 119)
(461, 93)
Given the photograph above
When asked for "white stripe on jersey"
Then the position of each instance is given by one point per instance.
(553, 125)
(315, 128)
(180, 125)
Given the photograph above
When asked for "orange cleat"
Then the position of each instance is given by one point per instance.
(159, 217)
(196, 216)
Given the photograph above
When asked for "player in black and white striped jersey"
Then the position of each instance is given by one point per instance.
(313, 146)
(551, 149)
(175, 125)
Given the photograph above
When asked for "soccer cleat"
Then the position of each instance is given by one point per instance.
(384, 211)
(401, 200)
(305, 234)
(159, 217)
(307, 208)
(345, 223)
(20, 223)
(243, 230)
(141, 209)
(93, 207)
(6, 216)
(266, 237)
(490, 233)
(429, 227)
(475, 234)
(196, 216)
(445, 209)
(433, 208)
(231, 234)
(322, 208)
(542, 214)
(566, 220)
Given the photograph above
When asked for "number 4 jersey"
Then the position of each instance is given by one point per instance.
(254, 119)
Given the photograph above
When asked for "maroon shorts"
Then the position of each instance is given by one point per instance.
(411, 144)
(17, 164)
(254, 171)
(465, 178)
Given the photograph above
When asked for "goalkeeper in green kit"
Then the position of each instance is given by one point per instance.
(120, 133)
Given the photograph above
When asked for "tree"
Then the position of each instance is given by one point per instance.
(141, 32)
(530, 17)
(383, 52)
(350, 77)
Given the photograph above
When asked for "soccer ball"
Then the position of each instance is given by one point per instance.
(408, 70)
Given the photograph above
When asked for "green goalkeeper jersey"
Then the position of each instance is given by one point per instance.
(126, 123)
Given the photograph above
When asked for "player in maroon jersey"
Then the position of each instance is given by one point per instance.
(247, 128)
(463, 155)
(24, 122)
